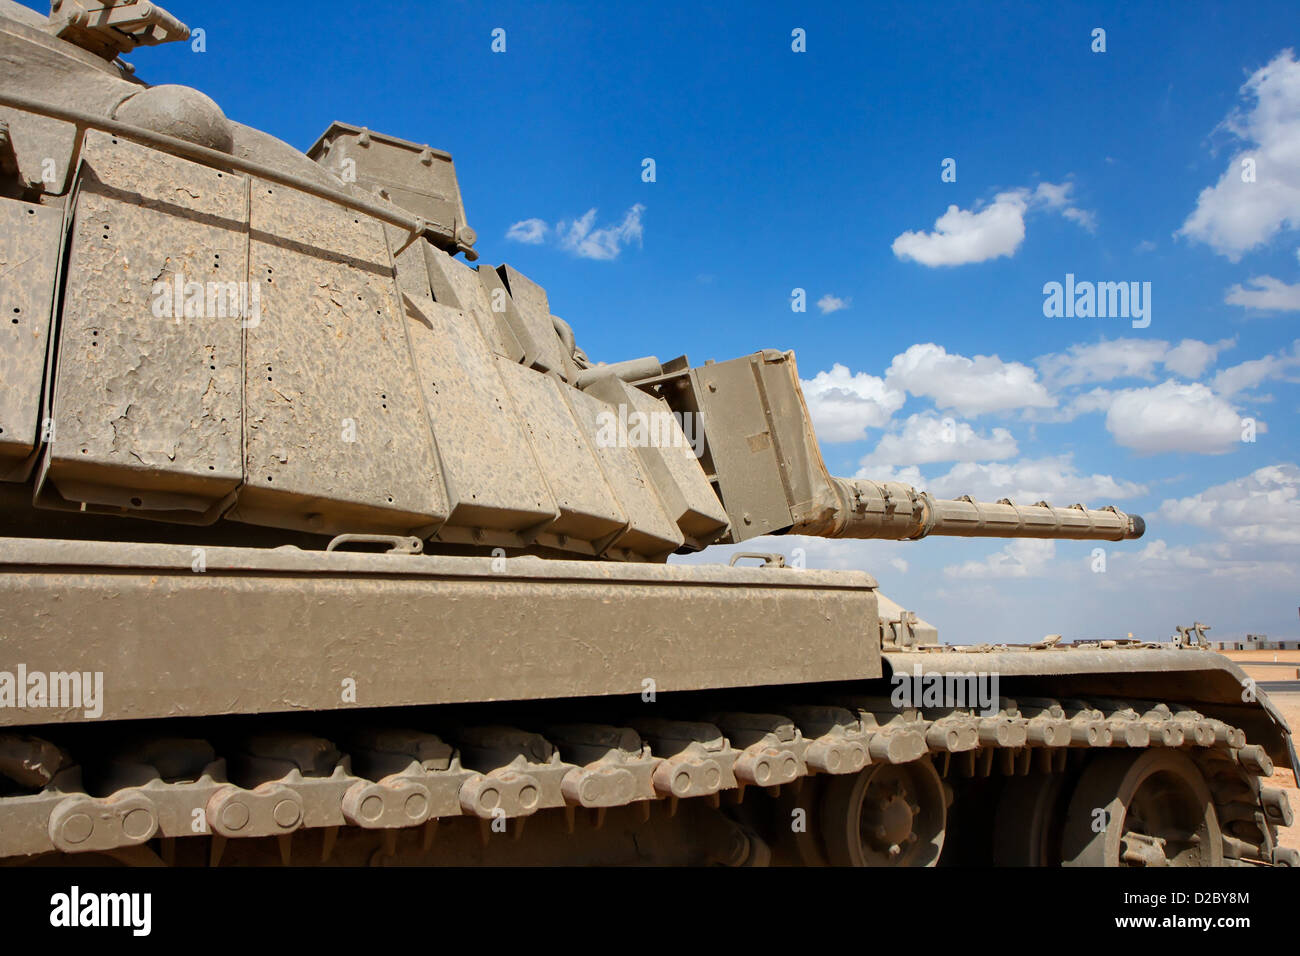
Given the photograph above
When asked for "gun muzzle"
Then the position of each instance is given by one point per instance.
(891, 509)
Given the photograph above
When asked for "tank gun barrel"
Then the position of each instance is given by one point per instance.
(891, 509)
(762, 457)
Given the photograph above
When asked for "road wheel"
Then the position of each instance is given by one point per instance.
(1147, 808)
(886, 815)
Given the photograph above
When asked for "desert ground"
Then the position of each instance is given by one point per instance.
(1289, 704)
(1267, 664)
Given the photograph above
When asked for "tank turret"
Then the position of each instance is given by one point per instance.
(215, 330)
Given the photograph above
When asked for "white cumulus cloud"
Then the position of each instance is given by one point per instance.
(1103, 361)
(581, 237)
(1052, 479)
(1252, 526)
(531, 231)
(963, 236)
(1096, 400)
(1191, 357)
(1110, 359)
(1083, 217)
(1254, 372)
(1265, 293)
(1021, 558)
(968, 386)
(927, 438)
(844, 404)
(1233, 216)
(832, 303)
(1158, 556)
(1174, 417)
(1261, 508)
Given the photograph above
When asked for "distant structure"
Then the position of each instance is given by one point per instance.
(1254, 642)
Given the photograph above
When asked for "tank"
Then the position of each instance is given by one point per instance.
(319, 544)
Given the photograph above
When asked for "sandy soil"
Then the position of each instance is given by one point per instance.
(1269, 673)
(1289, 704)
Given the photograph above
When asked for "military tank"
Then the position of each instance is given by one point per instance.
(320, 545)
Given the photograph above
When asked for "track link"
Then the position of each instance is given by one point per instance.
(394, 779)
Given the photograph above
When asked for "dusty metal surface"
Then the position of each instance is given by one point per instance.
(30, 240)
(39, 151)
(650, 531)
(588, 508)
(411, 175)
(281, 630)
(108, 29)
(336, 434)
(881, 785)
(741, 449)
(459, 286)
(668, 455)
(784, 488)
(493, 484)
(762, 454)
(148, 403)
(531, 316)
(34, 63)
(245, 150)
(1215, 682)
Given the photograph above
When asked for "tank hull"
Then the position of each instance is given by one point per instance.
(273, 703)
(180, 631)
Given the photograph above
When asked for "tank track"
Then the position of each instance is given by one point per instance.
(385, 792)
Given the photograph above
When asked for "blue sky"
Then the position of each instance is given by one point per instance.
(820, 170)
